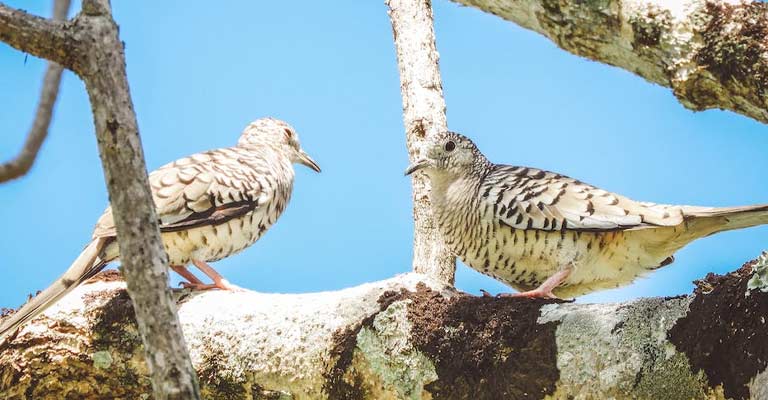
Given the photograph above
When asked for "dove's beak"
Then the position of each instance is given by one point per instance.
(305, 159)
(417, 165)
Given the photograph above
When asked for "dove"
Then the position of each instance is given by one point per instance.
(211, 205)
(551, 236)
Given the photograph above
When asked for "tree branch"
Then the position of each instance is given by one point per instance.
(51, 40)
(143, 258)
(423, 114)
(101, 65)
(48, 95)
(712, 53)
(407, 337)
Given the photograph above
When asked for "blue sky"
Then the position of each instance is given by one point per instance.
(199, 74)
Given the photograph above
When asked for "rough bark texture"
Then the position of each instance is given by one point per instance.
(410, 337)
(21, 164)
(52, 40)
(91, 47)
(423, 114)
(712, 53)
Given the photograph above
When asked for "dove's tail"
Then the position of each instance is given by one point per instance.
(705, 221)
(83, 268)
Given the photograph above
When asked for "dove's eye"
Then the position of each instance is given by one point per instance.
(450, 145)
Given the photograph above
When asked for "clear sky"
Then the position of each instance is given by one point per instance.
(199, 73)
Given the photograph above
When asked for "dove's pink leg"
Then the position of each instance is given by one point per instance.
(184, 272)
(218, 280)
(544, 291)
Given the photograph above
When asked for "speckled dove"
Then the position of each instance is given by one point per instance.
(211, 205)
(548, 235)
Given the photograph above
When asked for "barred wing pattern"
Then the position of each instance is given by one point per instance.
(528, 198)
(204, 189)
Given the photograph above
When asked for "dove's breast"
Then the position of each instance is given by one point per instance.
(240, 198)
(525, 258)
(214, 242)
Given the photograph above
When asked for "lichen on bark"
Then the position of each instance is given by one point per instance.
(711, 53)
(409, 337)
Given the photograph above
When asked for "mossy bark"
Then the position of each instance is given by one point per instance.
(409, 337)
(711, 53)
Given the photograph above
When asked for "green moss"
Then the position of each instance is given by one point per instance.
(387, 349)
(102, 359)
(671, 379)
(759, 279)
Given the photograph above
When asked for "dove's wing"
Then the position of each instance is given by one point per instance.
(204, 189)
(527, 198)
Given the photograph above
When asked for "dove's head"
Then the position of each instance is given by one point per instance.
(449, 153)
(278, 135)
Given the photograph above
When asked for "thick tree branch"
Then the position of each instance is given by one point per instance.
(48, 95)
(423, 114)
(712, 53)
(101, 65)
(52, 40)
(407, 337)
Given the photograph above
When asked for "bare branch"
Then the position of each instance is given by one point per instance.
(48, 95)
(22, 163)
(712, 53)
(101, 65)
(142, 255)
(39, 36)
(423, 114)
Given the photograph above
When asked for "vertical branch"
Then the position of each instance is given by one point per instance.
(144, 261)
(90, 46)
(423, 114)
(20, 165)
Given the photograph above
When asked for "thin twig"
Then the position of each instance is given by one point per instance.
(21, 164)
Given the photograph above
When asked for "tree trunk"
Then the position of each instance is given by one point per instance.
(423, 114)
(712, 53)
(91, 47)
(407, 337)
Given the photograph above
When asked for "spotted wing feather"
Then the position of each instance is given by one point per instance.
(204, 189)
(528, 198)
